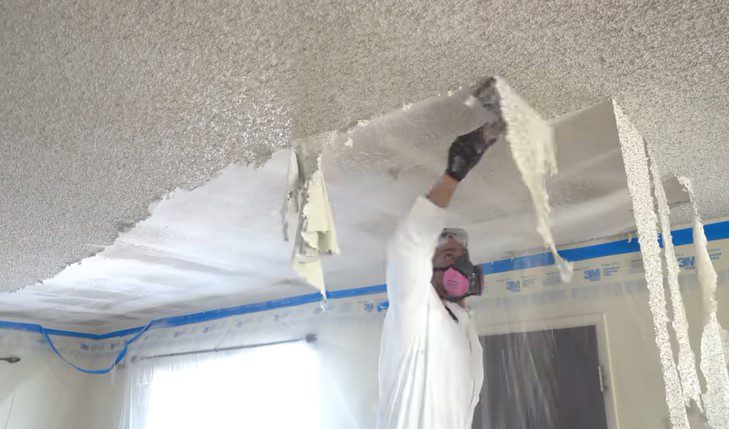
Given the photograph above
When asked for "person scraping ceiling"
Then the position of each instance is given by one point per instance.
(431, 362)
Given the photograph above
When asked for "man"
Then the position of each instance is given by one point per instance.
(431, 363)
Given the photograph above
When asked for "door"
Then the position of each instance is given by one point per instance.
(544, 379)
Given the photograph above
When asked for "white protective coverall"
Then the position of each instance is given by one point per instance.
(431, 368)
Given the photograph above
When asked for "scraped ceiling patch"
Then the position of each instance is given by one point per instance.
(529, 137)
(221, 244)
(217, 245)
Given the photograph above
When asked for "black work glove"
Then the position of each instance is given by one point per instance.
(466, 151)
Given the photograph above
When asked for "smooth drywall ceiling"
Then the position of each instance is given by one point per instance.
(109, 105)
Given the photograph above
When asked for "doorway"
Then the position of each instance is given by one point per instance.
(548, 379)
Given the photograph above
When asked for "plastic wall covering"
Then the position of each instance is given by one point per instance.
(608, 293)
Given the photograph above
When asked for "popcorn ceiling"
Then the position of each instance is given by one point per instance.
(107, 106)
(713, 359)
(221, 243)
(639, 184)
(686, 360)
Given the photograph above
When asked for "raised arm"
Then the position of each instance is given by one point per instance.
(410, 250)
(442, 191)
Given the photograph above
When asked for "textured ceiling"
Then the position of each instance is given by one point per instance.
(221, 244)
(106, 106)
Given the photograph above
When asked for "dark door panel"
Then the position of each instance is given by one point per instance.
(543, 379)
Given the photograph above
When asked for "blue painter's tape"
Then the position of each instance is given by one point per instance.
(715, 231)
(122, 333)
(72, 334)
(684, 236)
(157, 323)
(601, 250)
(221, 313)
(579, 254)
(18, 326)
(347, 293)
(119, 356)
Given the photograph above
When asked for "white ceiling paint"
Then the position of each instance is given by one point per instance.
(221, 244)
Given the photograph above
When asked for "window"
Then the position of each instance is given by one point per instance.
(268, 387)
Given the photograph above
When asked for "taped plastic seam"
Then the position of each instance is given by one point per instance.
(122, 352)
(531, 141)
(307, 207)
(639, 185)
(713, 359)
(686, 360)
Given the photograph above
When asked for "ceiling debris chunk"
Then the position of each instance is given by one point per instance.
(713, 359)
(308, 210)
(531, 141)
(690, 384)
(639, 184)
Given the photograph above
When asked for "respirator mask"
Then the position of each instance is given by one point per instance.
(462, 279)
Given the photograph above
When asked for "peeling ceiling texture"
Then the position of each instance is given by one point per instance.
(107, 106)
(221, 244)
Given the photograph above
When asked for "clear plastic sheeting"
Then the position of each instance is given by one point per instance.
(297, 366)
(41, 391)
(554, 353)
(163, 391)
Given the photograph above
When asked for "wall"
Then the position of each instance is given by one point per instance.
(42, 392)
(39, 392)
(635, 383)
(50, 395)
(635, 378)
(103, 404)
(611, 288)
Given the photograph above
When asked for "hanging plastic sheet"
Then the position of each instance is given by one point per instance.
(538, 337)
